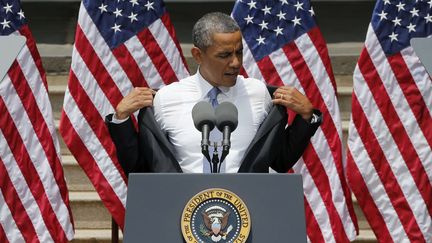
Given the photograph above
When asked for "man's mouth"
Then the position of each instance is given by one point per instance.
(231, 74)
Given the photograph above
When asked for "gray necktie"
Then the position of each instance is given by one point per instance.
(212, 94)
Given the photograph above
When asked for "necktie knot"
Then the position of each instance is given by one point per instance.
(212, 94)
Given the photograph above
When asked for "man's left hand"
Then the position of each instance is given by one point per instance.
(292, 99)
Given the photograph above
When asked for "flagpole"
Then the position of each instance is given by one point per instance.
(114, 231)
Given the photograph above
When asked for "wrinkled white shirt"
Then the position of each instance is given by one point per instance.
(173, 111)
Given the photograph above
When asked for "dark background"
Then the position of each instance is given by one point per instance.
(54, 22)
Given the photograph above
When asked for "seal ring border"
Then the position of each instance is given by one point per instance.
(219, 194)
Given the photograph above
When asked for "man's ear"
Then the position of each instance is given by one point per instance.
(196, 54)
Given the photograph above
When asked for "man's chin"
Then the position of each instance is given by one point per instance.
(230, 80)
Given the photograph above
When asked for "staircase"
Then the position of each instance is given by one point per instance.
(92, 220)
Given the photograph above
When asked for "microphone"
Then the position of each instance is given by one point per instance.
(204, 120)
(226, 121)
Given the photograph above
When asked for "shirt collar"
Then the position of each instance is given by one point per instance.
(205, 87)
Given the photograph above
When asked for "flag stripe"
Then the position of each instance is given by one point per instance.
(98, 127)
(323, 83)
(412, 95)
(389, 141)
(420, 76)
(80, 70)
(322, 183)
(299, 58)
(14, 168)
(149, 71)
(397, 129)
(374, 186)
(401, 108)
(88, 95)
(251, 68)
(103, 161)
(43, 185)
(44, 135)
(330, 132)
(14, 232)
(319, 142)
(182, 68)
(101, 51)
(106, 64)
(128, 63)
(34, 199)
(316, 202)
(97, 69)
(284, 69)
(386, 175)
(31, 46)
(157, 56)
(109, 197)
(321, 47)
(16, 224)
(317, 72)
(366, 200)
(30, 73)
(269, 72)
(169, 48)
(314, 232)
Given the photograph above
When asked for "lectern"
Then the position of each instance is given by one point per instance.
(157, 203)
(10, 47)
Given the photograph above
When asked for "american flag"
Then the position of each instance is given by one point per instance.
(390, 135)
(118, 45)
(34, 203)
(283, 46)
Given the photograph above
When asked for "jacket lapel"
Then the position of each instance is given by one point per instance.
(146, 117)
(276, 115)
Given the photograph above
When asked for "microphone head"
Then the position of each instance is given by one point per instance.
(202, 114)
(226, 115)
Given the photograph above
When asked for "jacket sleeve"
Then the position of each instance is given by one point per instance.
(292, 143)
(125, 139)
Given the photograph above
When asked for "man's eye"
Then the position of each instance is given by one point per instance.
(224, 55)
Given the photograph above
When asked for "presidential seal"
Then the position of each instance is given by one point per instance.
(215, 215)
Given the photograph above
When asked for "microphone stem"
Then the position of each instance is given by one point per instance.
(215, 160)
(205, 152)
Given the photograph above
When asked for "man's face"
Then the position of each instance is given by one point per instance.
(220, 63)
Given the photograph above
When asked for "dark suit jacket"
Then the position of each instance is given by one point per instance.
(273, 146)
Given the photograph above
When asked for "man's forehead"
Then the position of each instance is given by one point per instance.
(227, 40)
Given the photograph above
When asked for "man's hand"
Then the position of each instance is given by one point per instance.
(138, 98)
(292, 99)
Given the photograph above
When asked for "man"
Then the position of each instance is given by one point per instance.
(167, 140)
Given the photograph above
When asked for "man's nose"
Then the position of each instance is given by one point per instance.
(236, 61)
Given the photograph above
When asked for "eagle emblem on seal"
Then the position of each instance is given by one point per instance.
(215, 219)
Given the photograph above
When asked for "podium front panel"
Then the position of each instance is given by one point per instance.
(156, 201)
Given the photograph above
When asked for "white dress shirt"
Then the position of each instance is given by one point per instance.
(173, 111)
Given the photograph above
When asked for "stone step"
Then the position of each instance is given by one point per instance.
(76, 178)
(57, 58)
(94, 236)
(88, 211)
(366, 236)
(63, 148)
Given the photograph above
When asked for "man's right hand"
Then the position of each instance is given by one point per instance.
(138, 98)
